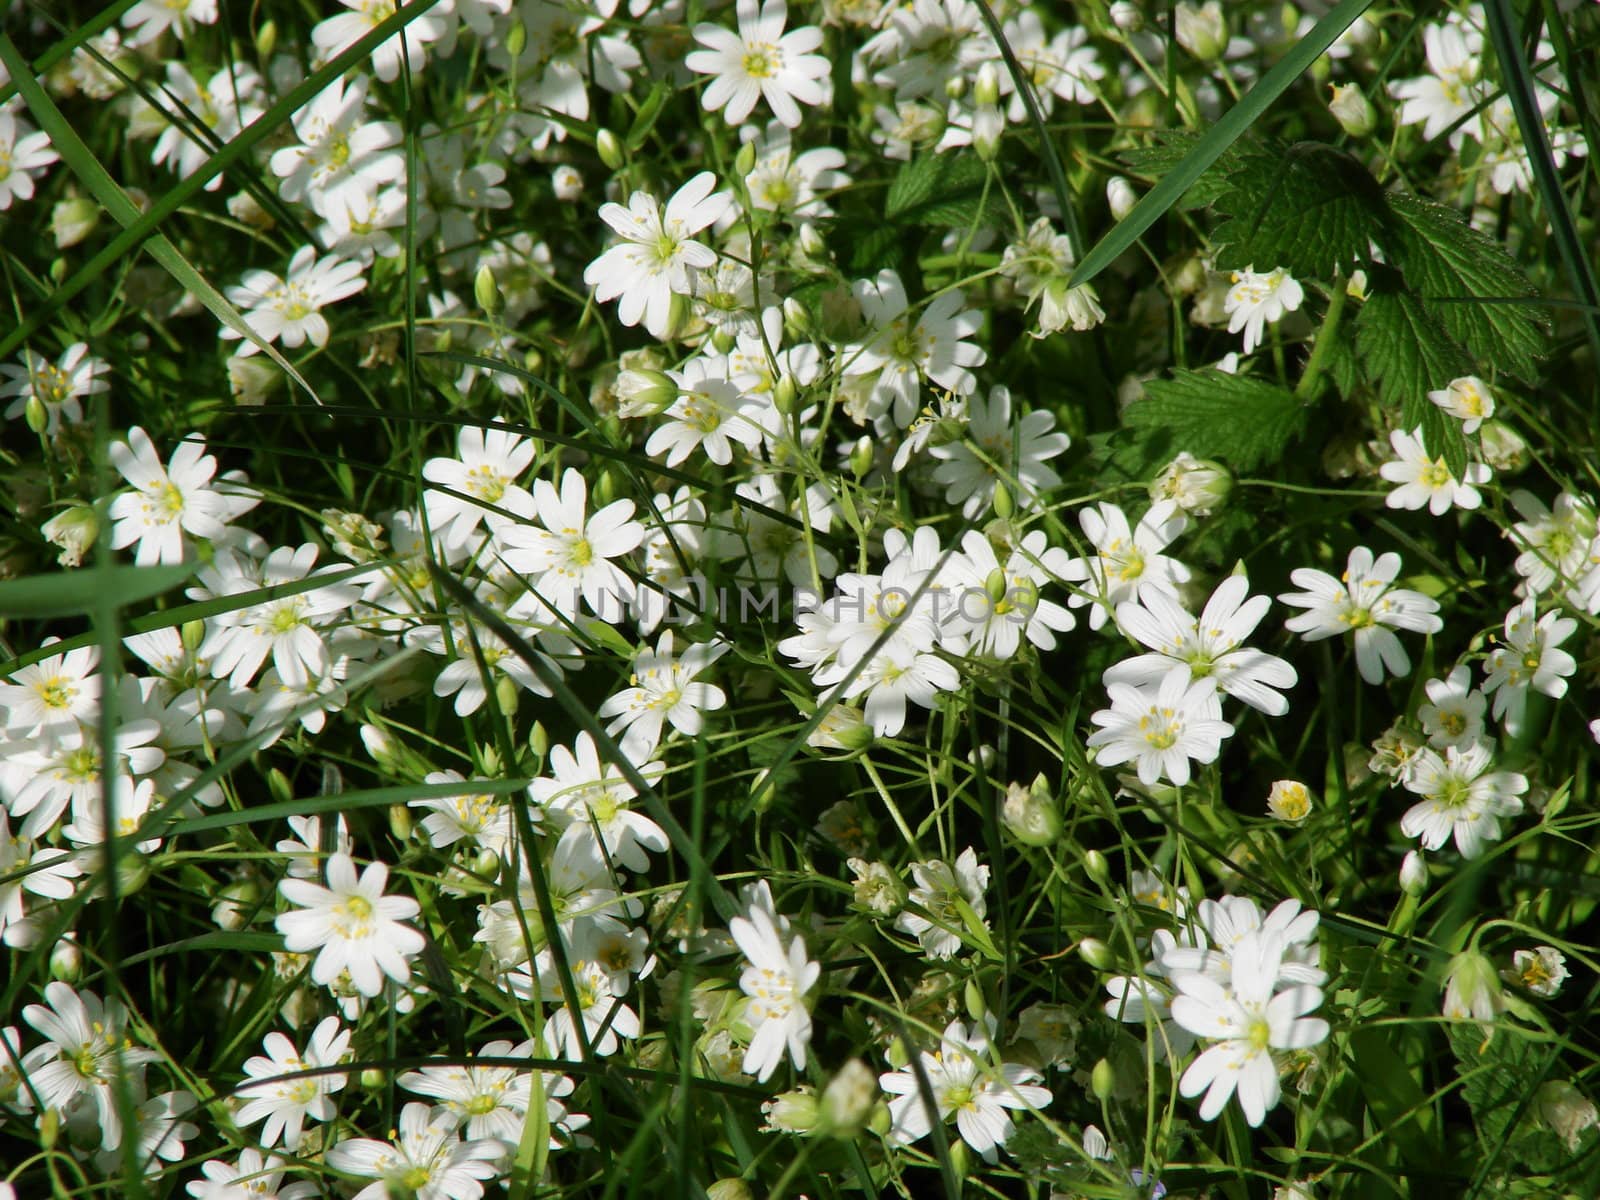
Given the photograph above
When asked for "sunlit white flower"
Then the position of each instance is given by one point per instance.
(1124, 560)
(486, 467)
(409, 45)
(664, 691)
(426, 1160)
(905, 348)
(57, 693)
(285, 1103)
(59, 386)
(87, 1049)
(25, 153)
(760, 62)
(1531, 658)
(776, 981)
(999, 447)
(149, 19)
(1468, 399)
(289, 309)
(351, 925)
(338, 151)
(1461, 798)
(167, 502)
(1161, 728)
(1453, 715)
(569, 558)
(651, 263)
(940, 890)
(254, 1176)
(1365, 603)
(1426, 480)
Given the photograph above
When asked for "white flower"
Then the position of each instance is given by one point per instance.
(157, 1134)
(409, 45)
(87, 1048)
(59, 386)
(1425, 480)
(289, 309)
(1210, 648)
(1453, 715)
(1246, 1023)
(167, 502)
(710, 414)
(776, 981)
(491, 1101)
(254, 1177)
(481, 818)
(1531, 658)
(1125, 558)
(939, 891)
(1468, 399)
(570, 557)
(1366, 603)
(426, 1161)
(149, 19)
(965, 1085)
(225, 104)
(605, 1018)
(55, 694)
(1064, 66)
(486, 467)
(352, 925)
(1452, 91)
(287, 1103)
(998, 605)
(1559, 543)
(904, 350)
(24, 154)
(338, 154)
(895, 674)
(44, 871)
(996, 449)
(1460, 798)
(1541, 970)
(664, 691)
(1255, 299)
(656, 254)
(584, 796)
(760, 62)
(1161, 728)
(787, 183)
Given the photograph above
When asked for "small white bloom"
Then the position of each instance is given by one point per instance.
(776, 981)
(1161, 728)
(1426, 480)
(1468, 399)
(351, 925)
(287, 1103)
(760, 62)
(1364, 602)
(1530, 659)
(1254, 300)
(939, 889)
(1461, 798)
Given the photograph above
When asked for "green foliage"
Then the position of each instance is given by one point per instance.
(81, 592)
(1500, 1079)
(1407, 353)
(1308, 207)
(1247, 422)
(940, 190)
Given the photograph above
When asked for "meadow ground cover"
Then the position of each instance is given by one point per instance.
(611, 598)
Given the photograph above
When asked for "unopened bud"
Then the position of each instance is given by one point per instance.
(193, 635)
(731, 1188)
(1004, 505)
(995, 585)
(507, 695)
(862, 457)
(516, 38)
(1472, 989)
(36, 415)
(849, 1099)
(266, 39)
(972, 998)
(1202, 31)
(1102, 1080)
(1125, 15)
(487, 292)
(74, 531)
(1120, 196)
(66, 960)
(723, 341)
(278, 786)
(1351, 108)
(1095, 952)
(745, 161)
(609, 148)
(1096, 867)
(49, 1128)
(645, 393)
(1413, 874)
(812, 243)
(1289, 800)
(987, 88)
(400, 822)
(783, 394)
(372, 1078)
(955, 87)
(73, 219)
(1031, 813)
(539, 740)
(566, 183)
(792, 1112)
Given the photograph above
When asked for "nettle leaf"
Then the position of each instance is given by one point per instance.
(1249, 422)
(1169, 149)
(1310, 208)
(1470, 284)
(945, 190)
(1408, 353)
(1499, 1078)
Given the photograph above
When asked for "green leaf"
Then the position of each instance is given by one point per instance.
(1310, 208)
(1168, 150)
(73, 593)
(1470, 284)
(1248, 422)
(945, 190)
(1211, 146)
(1407, 353)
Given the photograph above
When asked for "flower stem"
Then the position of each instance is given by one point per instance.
(1306, 390)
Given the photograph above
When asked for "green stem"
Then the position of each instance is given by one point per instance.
(1307, 388)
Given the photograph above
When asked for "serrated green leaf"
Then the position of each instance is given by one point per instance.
(71, 593)
(1407, 353)
(938, 189)
(1470, 284)
(1313, 209)
(1249, 422)
(1169, 149)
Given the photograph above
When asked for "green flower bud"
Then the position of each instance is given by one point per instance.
(862, 457)
(373, 1078)
(36, 415)
(1096, 953)
(66, 960)
(487, 292)
(792, 1112)
(1031, 813)
(745, 161)
(400, 822)
(278, 786)
(507, 695)
(972, 997)
(1202, 31)
(609, 148)
(266, 40)
(73, 219)
(1352, 110)
(74, 530)
(1004, 505)
(849, 1098)
(1096, 867)
(516, 39)
(539, 740)
(1102, 1080)
(995, 585)
(783, 394)
(1472, 988)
